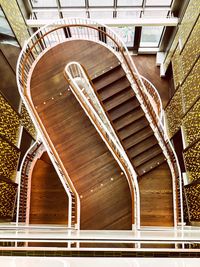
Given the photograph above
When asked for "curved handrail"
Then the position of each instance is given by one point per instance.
(84, 92)
(89, 30)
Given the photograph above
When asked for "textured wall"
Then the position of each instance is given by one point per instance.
(9, 156)
(15, 19)
(8, 191)
(9, 121)
(183, 109)
(184, 29)
(27, 122)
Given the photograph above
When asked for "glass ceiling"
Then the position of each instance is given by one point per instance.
(109, 9)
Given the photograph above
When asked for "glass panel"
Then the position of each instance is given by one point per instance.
(151, 36)
(126, 34)
(155, 13)
(74, 14)
(6, 34)
(101, 14)
(101, 3)
(158, 3)
(4, 25)
(129, 3)
(72, 3)
(47, 15)
(44, 3)
(128, 14)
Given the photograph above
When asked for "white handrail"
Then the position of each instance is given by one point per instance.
(86, 29)
(78, 92)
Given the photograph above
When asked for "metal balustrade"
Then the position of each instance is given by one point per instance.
(85, 29)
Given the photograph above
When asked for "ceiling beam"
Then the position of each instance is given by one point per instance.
(113, 22)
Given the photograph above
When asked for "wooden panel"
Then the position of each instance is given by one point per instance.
(49, 202)
(156, 197)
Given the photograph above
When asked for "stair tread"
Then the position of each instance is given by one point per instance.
(142, 146)
(108, 77)
(124, 108)
(133, 128)
(137, 137)
(114, 88)
(118, 99)
(151, 164)
(128, 118)
(146, 155)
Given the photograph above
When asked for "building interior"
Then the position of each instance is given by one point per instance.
(99, 132)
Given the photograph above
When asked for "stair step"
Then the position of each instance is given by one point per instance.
(146, 155)
(142, 146)
(137, 137)
(123, 109)
(108, 77)
(151, 164)
(128, 119)
(114, 88)
(133, 128)
(118, 99)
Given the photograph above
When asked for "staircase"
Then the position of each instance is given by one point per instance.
(127, 103)
(128, 119)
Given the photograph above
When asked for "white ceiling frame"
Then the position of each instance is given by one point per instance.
(63, 9)
(35, 23)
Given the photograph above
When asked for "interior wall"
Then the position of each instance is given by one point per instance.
(182, 111)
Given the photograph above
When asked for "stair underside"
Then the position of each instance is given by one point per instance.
(104, 204)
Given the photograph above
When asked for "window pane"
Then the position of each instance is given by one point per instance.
(155, 13)
(101, 14)
(101, 2)
(151, 36)
(158, 3)
(44, 3)
(4, 26)
(47, 15)
(126, 34)
(72, 3)
(74, 14)
(128, 14)
(129, 3)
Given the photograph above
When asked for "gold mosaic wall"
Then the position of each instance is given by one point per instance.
(192, 161)
(174, 113)
(9, 121)
(191, 51)
(191, 86)
(184, 29)
(193, 199)
(9, 156)
(27, 122)
(176, 65)
(183, 109)
(15, 19)
(191, 124)
(8, 193)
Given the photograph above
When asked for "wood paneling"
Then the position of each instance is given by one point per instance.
(49, 202)
(156, 197)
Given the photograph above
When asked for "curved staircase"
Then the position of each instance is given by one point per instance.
(82, 160)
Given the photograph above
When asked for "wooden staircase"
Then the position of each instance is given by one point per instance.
(128, 119)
